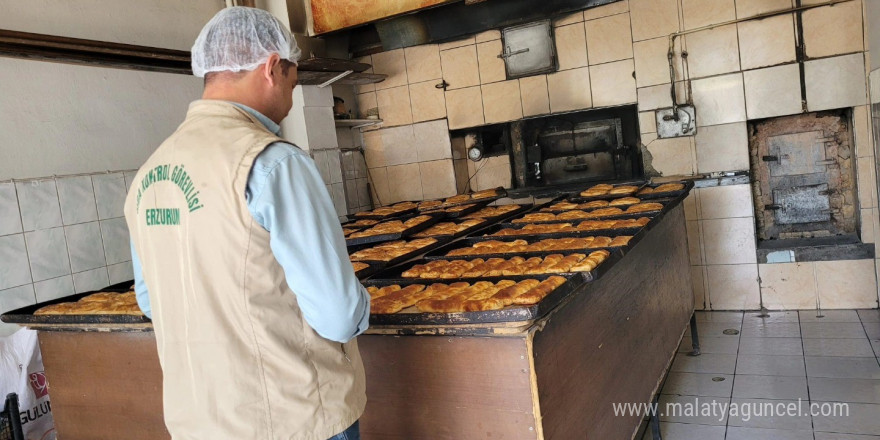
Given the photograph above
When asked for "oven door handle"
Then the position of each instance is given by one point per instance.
(773, 207)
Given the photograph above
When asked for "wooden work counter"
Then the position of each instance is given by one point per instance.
(554, 378)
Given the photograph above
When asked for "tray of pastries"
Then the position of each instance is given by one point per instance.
(672, 189)
(384, 212)
(500, 212)
(115, 304)
(394, 252)
(607, 191)
(566, 205)
(392, 229)
(453, 229)
(400, 302)
(455, 211)
(584, 228)
(616, 212)
(512, 267)
(507, 247)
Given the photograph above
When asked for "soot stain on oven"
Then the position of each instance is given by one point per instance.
(804, 181)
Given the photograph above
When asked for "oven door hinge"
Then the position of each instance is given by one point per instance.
(773, 207)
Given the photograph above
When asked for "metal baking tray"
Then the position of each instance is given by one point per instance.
(688, 185)
(540, 236)
(441, 241)
(514, 313)
(435, 217)
(577, 198)
(649, 214)
(395, 273)
(372, 268)
(440, 252)
(473, 207)
(25, 315)
(368, 215)
(485, 224)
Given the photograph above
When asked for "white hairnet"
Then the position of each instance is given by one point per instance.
(241, 38)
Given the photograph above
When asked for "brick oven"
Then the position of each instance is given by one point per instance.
(803, 176)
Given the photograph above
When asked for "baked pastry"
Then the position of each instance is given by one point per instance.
(398, 300)
(457, 199)
(597, 190)
(664, 188)
(485, 194)
(101, 303)
(623, 189)
(539, 292)
(624, 201)
(644, 207)
(449, 228)
(493, 211)
(358, 266)
(391, 250)
(362, 223)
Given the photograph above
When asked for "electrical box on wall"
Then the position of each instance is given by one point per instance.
(681, 121)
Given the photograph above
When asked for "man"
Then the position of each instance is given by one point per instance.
(239, 257)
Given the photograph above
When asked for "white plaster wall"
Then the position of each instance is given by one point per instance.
(171, 24)
(60, 119)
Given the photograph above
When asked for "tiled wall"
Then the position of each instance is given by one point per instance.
(60, 236)
(737, 72)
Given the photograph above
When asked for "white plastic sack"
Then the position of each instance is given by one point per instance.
(21, 372)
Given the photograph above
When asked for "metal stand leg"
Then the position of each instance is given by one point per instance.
(655, 421)
(695, 338)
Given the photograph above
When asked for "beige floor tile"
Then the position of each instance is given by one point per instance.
(849, 284)
(734, 287)
(788, 286)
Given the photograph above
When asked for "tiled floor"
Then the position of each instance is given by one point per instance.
(777, 361)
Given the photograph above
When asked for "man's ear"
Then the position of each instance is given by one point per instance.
(271, 70)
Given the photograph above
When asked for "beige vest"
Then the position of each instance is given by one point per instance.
(238, 359)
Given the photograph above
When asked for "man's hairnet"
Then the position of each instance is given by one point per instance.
(241, 38)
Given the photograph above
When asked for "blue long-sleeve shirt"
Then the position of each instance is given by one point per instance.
(286, 195)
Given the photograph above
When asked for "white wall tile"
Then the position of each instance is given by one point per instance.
(351, 195)
(428, 102)
(120, 272)
(129, 179)
(726, 202)
(729, 240)
(699, 13)
(722, 148)
(867, 182)
(374, 149)
(571, 46)
(10, 217)
(381, 192)
(12, 299)
(423, 63)
(460, 67)
(412, 189)
(773, 91)
(734, 287)
(788, 286)
(77, 197)
(321, 130)
(393, 64)
(363, 188)
(609, 39)
(652, 64)
(653, 18)
(85, 246)
(647, 122)
(845, 19)
(672, 156)
(719, 100)
(695, 243)
(399, 144)
(656, 97)
(501, 101)
(337, 196)
(438, 179)
(862, 128)
(335, 162)
(766, 42)
(14, 269)
(569, 90)
(313, 96)
(835, 82)
(491, 172)
(535, 97)
(613, 84)
(321, 162)
(431, 141)
(47, 252)
(605, 10)
(491, 67)
(750, 8)
(38, 201)
(109, 194)
(54, 288)
(850, 284)
(699, 282)
(117, 243)
(712, 52)
(90, 280)
(464, 107)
